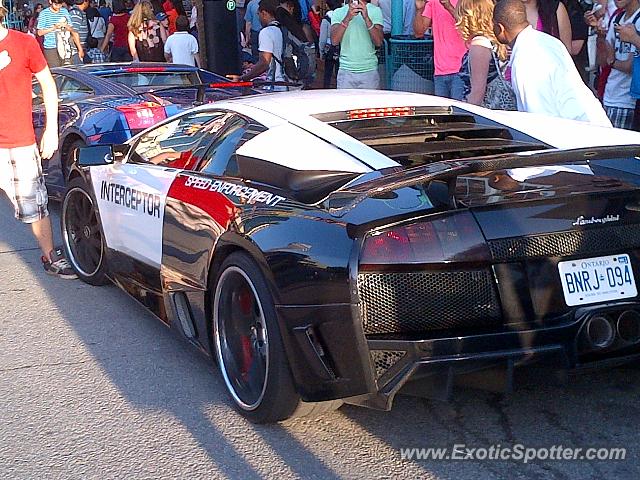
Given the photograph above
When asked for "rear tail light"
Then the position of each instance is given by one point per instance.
(450, 238)
(381, 112)
(142, 115)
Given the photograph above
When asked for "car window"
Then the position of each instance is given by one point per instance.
(36, 89)
(175, 143)
(220, 159)
(70, 88)
(58, 79)
(36, 93)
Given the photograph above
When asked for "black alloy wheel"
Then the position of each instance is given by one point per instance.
(81, 234)
(248, 344)
(249, 349)
(242, 339)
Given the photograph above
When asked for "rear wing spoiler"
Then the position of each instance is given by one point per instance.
(448, 171)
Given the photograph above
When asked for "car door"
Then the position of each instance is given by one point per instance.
(131, 196)
(39, 116)
(204, 200)
(220, 158)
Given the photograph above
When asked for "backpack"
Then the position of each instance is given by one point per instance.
(91, 30)
(63, 45)
(329, 50)
(298, 58)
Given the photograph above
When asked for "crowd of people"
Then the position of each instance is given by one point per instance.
(89, 31)
(529, 55)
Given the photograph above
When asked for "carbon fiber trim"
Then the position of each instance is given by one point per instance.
(578, 242)
(427, 301)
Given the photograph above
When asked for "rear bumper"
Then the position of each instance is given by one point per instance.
(371, 371)
(433, 368)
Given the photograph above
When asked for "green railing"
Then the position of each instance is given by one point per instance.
(409, 64)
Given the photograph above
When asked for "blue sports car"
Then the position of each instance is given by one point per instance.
(110, 103)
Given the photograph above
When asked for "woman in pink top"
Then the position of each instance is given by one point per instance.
(448, 46)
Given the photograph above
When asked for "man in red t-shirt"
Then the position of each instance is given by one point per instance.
(20, 170)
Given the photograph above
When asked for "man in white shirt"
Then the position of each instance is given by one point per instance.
(181, 47)
(543, 75)
(408, 14)
(270, 47)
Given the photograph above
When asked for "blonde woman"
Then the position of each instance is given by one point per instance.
(479, 64)
(146, 34)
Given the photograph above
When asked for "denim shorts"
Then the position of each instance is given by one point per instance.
(21, 179)
(449, 86)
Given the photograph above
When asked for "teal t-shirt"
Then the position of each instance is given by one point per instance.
(357, 51)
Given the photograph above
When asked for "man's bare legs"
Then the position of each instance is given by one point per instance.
(42, 231)
(54, 261)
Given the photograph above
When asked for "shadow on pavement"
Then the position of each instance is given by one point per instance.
(154, 370)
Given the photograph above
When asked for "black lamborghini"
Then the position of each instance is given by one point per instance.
(329, 247)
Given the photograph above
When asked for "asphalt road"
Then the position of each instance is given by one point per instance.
(93, 386)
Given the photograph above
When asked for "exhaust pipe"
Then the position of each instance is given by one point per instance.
(628, 326)
(599, 332)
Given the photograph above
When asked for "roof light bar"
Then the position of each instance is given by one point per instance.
(230, 84)
(145, 69)
(381, 112)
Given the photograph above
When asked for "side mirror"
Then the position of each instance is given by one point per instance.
(95, 155)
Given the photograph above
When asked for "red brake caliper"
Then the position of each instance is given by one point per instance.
(246, 303)
(247, 356)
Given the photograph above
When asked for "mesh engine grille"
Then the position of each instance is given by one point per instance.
(567, 243)
(425, 301)
(383, 360)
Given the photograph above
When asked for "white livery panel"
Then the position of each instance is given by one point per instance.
(131, 201)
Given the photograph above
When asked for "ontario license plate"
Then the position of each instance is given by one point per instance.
(597, 279)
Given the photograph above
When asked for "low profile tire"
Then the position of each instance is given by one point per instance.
(249, 348)
(81, 234)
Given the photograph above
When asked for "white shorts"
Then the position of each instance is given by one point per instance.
(21, 179)
(346, 79)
